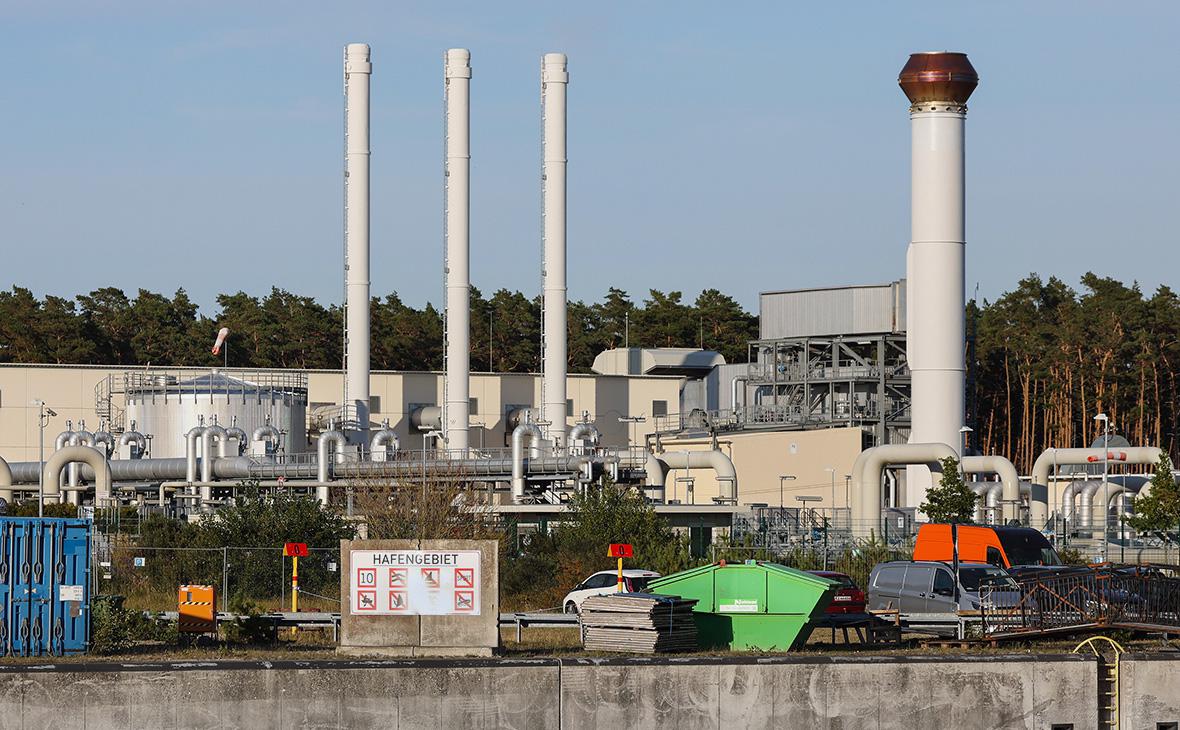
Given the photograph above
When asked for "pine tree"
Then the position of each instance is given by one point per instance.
(951, 500)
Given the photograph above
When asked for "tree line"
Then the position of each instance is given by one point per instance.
(1043, 358)
(285, 330)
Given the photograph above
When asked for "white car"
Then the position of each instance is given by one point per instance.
(604, 582)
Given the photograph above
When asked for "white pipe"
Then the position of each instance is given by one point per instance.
(457, 264)
(993, 499)
(866, 481)
(384, 444)
(137, 440)
(239, 437)
(107, 441)
(935, 289)
(208, 436)
(1039, 496)
(71, 455)
(190, 453)
(80, 438)
(554, 80)
(357, 71)
(426, 418)
(657, 468)
(583, 430)
(1009, 478)
(733, 394)
(980, 489)
(1067, 499)
(328, 439)
(268, 434)
(5, 481)
(519, 435)
(63, 440)
(1086, 508)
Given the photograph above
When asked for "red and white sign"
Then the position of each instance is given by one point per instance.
(619, 550)
(415, 582)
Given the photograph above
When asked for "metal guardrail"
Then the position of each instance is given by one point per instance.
(1141, 598)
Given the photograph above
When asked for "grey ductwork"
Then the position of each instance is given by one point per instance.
(73, 455)
(1038, 506)
(427, 418)
(384, 444)
(866, 475)
(1009, 478)
(657, 468)
(584, 430)
(328, 439)
(135, 439)
(519, 434)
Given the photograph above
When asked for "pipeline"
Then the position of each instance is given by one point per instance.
(384, 444)
(328, 438)
(657, 468)
(519, 434)
(584, 430)
(78, 454)
(866, 475)
(268, 434)
(1009, 479)
(238, 435)
(137, 440)
(1038, 506)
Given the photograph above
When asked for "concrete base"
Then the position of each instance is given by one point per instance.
(1149, 690)
(414, 651)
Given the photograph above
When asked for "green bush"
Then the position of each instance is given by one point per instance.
(114, 628)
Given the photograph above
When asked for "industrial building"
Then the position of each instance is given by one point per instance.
(850, 398)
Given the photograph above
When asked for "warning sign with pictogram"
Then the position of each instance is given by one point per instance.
(464, 601)
(366, 601)
(464, 578)
(415, 582)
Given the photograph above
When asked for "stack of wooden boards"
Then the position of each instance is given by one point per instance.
(638, 623)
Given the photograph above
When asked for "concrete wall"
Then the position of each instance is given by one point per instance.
(690, 692)
(1149, 690)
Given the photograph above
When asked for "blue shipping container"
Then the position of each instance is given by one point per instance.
(44, 586)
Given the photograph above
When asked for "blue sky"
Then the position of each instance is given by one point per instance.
(742, 146)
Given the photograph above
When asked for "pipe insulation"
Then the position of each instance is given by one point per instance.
(657, 468)
(99, 466)
(867, 470)
(456, 415)
(357, 71)
(554, 80)
(1038, 506)
(938, 86)
(1006, 471)
(520, 434)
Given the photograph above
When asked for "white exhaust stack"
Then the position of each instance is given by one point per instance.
(357, 71)
(554, 80)
(938, 86)
(456, 387)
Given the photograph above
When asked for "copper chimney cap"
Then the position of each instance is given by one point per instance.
(938, 76)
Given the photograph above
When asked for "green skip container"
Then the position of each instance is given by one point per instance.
(751, 605)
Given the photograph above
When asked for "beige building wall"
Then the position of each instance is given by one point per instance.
(70, 391)
(760, 458)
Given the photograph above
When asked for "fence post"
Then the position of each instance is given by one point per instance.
(224, 576)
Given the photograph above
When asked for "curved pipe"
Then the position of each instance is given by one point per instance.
(270, 435)
(238, 435)
(519, 434)
(5, 481)
(733, 394)
(1009, 479)
(190, 453)
(1086, 510)
(107, 440)
(77, 455)
(328, 439)
(657, 468)
(1067, 500)
(582, 431)
(979, 489)
(80, 438)
(137, 439)
(1038, 505)
(208, 436)
(62, 441)
(384, 443)
(866, 481)
(995, 492)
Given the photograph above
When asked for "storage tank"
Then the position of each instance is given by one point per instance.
(168, 405)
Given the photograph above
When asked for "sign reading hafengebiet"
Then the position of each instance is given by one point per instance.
(415, 582)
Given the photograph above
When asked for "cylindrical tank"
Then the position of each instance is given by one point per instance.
(168, 405)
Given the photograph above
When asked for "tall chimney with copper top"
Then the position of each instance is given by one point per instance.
(938, 85)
